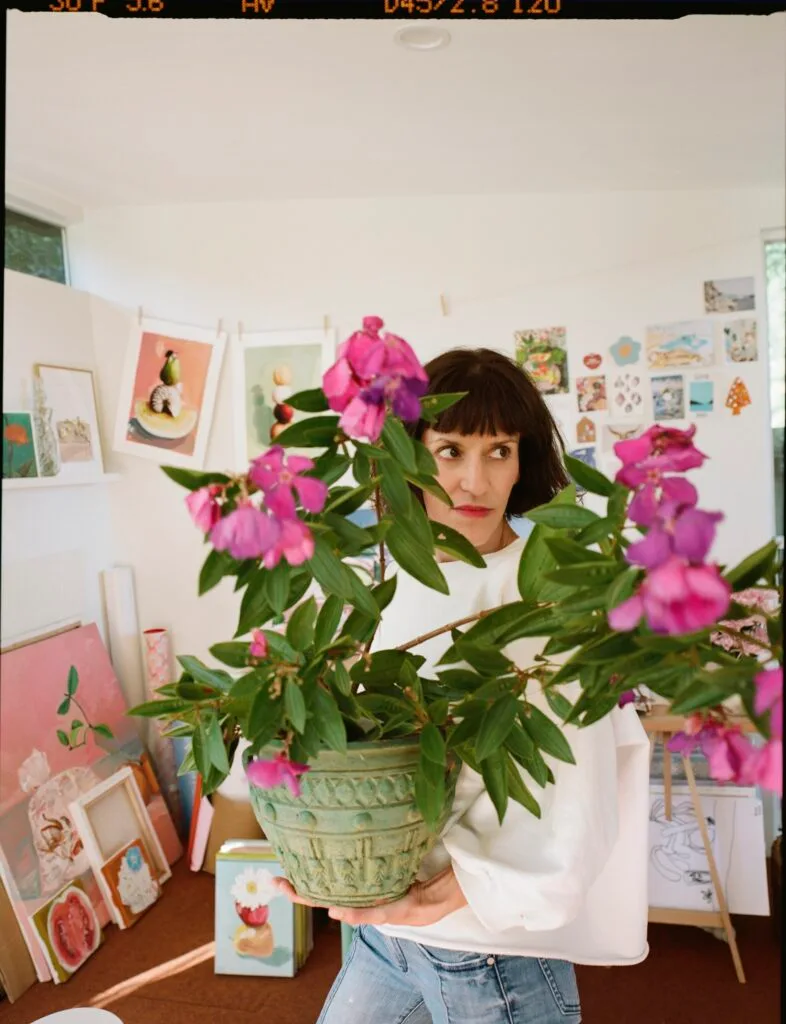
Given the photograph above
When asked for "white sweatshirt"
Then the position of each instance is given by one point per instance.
(571, 884)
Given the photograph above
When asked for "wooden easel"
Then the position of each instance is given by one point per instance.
(661, 726)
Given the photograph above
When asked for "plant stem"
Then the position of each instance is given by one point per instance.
(451, 625)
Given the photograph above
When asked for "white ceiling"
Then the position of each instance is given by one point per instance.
(111, 111)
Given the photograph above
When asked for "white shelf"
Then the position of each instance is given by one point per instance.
(19, 483)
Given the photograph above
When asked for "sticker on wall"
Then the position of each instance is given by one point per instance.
(591, 393)
(688, 343)
(592, 360)
(543, 354)
(730, 295)
(625, 351)
(613, 432)
(701, 400)
(585, 431)
(668, 397)
(587, 456)
(738, 396)
(740, 342)
(627, 395)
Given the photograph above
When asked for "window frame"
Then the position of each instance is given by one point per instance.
(768, 237)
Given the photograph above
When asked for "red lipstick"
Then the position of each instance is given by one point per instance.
(473, 511)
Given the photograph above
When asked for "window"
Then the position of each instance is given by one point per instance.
(775, 274)
(34, 247)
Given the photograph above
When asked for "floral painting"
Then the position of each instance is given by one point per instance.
(19, 454)
(542, 352)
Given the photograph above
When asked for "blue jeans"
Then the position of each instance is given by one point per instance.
(394, 981)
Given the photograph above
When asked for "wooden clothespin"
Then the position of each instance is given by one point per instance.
(326, 323)
(443, 302)
(141, 315)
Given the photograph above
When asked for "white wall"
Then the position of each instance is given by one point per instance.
(602, 265)
(56, 540)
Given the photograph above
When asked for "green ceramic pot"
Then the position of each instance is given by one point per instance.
(355, 835)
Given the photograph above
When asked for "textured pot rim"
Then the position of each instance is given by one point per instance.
(361, 745)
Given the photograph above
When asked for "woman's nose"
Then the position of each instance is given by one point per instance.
(474, 476)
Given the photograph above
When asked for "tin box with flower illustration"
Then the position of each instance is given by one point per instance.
(258, 931)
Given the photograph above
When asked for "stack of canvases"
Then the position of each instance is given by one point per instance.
(85, 835)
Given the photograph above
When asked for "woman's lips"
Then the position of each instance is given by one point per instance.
(473, 511)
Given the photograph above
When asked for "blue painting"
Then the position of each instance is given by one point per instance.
(682, 344)
(701, 397)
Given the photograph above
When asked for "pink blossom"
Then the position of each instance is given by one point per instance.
(246, 532)
(258, 646)
(277, 475)
(657, 451)
(203, 507)
(276, 772)
(628, 697)
(686, 532)
(731, 756)
(653, 499)
(769, 697)
(294, 542)
(675, 598)
(363, 420)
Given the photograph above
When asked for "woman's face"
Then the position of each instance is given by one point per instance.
(478, 471)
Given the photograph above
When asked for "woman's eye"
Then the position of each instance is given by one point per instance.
(501, 452)
(448, 452)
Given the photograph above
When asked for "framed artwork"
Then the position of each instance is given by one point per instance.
(668, 397)
(68, 396)
(68, 930)
(689, 343)
(20, 461)
(269, 367)
(542, 352)
(112, 819)
(729, 295)
(168, 393)
(591, 393)
(740, 342)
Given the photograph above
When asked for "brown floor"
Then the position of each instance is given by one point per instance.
(161, 972)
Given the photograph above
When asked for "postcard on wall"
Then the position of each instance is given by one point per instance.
(69, 402)
(268, 368)
(68, 930)
(168, 393)
(730, 295)
(740, 342)
(627, 395)
(591, 393)
(19, 449)
(701, 396)
(682, 344)
(611, 433)
(668, 397)
(542, 352)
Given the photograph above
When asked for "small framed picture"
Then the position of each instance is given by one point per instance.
(20, 457)
(69, 398)
(68, 930)
(112, 819)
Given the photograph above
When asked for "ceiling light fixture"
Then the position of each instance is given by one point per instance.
(422, 37)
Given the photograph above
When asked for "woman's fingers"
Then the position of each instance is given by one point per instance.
(286, 888)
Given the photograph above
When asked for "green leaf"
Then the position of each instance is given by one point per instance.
(300, 628)
(559, 704)
(276, 586)
(495, 775)
(456, 544)
(63, 737)
(699, 694)
(589, 478)
(518, 791)
(426, 463)
(429, 794)
(622, 587)
(295, 705)
(214, 743)
(330, 724)
(545, 734)
(342, 678)
(432, 745)
(77, 723)
(73, 681)
(313, 400)
(330, 466)
(595, 532)
(562, 517)
(345, 500)
(159, 708)
(608, 648)
(753, 568)
(64, 706)
(399, 443)
(353, 539)
(193, 479)
(264, 718)
(201, 673)
(484, 659)
(327, 621)
(428, 483)
(395, 490)
(432, 406)
(414, 558)
(232, 653)
(568, 552)
(217, 565)
(668, 644)
(586, 573)
(313, 432)
(103, 730)
(496, 724)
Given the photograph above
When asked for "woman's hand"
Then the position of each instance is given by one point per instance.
(425, 903)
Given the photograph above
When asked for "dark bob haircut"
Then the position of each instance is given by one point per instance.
(500, 399)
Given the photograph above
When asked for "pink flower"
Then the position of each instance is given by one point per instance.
(675, 598)
(363, 420)
(769, 697)
(657, 451)
(277, 475)
(245, 533)
(258, 646)
(203, 507)
(686, 532)
(670, 491)
(628, 697)
(730, 754)
(280, 771)
(294, 542)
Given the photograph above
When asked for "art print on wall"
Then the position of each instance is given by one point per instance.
(68, 930)
(542, 352)
(701, 399)
(740, 342)
(586, 432)
(20, 460)
(668, 397)
(689, 343)
(269, 367)
(627, 395)
(611, 433)
(729, 295)
(70, 395)
(168, 393)
(591, 393)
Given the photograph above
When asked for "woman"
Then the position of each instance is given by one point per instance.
(502, 912)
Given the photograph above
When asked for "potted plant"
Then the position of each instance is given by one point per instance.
(353, 754)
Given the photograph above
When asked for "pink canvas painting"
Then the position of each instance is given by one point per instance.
(47, 760)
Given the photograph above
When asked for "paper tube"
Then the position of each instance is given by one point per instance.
(158, 664)
(125, 649)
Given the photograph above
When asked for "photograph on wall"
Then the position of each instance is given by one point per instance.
(131, 878)
(740, 341)
(627, 395)
(611, 433)
(591, 393)
(168, 393)
(19, 448)
(701, 396)
(729, 295)
(70, 395)
(268, 368)
(668, 396)
(542, 352)
(68, 930)
(682, 344)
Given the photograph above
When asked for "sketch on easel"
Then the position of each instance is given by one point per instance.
(678, 856)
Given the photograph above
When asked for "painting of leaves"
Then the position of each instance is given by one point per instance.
(18, 446)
